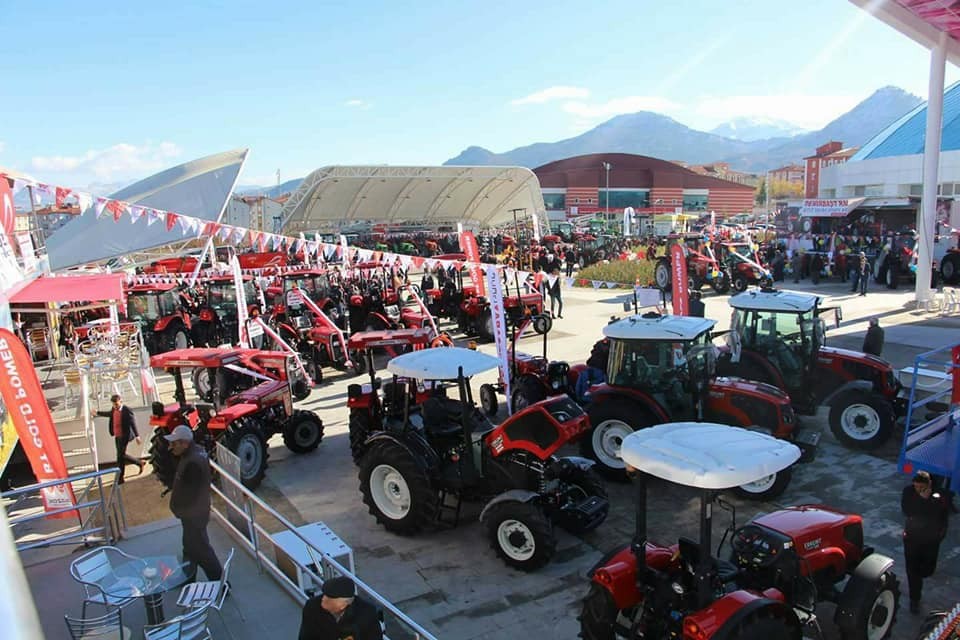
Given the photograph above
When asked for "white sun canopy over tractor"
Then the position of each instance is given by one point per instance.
(338, 196)
(200, 188)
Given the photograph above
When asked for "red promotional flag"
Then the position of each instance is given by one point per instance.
(62, 194)
(171, 221)
(7, 211)
(468, 244)
(116, 208)
(23, 397)
(678, 273)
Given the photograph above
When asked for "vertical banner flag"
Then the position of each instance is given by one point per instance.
(23, 398)
(241, 302)
(7, 210)
(499, 328)
(343, 245)
(536, 227)
(627, 219)
(678, 273)
(468, 244)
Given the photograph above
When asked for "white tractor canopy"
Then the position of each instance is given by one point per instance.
(706, 455)
(200, 188)
(337, 196)
(777, 301)
(678, 328)
(446, 363)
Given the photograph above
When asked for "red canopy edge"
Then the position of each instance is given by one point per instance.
(99, 286)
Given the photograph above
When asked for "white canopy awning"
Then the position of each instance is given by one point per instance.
(337, 196)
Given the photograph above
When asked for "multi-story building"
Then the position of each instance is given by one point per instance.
(827, 155)
(723, 171)
(792, 173)
(259, 213)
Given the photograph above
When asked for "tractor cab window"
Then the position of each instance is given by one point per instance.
(143, 306)
(781, 336)
(635, 363)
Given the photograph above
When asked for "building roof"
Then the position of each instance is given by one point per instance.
(920, 20)
(658, 328)
(336, 195)
(788, 167)
(627, 171)
(843, 153)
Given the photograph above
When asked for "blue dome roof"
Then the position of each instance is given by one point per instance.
(906, 136)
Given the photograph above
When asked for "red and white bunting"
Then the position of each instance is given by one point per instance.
(100, 206)
(135, 213)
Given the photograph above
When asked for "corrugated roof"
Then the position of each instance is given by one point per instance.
(906, 136)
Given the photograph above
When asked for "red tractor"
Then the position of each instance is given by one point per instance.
(244, 421)
(430, 452)
(744, 265)
(781, 565)
(216, 321)
(778, 337)
(162, 315)
(703, 267)
(661, 369)
(313, 283)
(240, 369)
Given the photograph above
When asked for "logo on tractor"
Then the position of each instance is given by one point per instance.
(497, 444)
(812, 544)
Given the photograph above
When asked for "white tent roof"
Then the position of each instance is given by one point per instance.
(336, 196)
(784, 301)
(441, 363)
(659, 328)
(200, 188)
(705, 455)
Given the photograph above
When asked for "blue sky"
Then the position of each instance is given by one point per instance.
(97, 93)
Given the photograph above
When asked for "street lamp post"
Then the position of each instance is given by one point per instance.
(607, 166)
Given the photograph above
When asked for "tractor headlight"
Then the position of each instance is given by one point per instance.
(677, 588)
(555, 384)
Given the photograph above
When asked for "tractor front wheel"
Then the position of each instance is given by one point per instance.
(521, 534)
(528, 391)
(861, 419)
(950, 268)
(303, 432)
(359, 432)
(740, 283)
(488, 399)
(245, 438)
(612, 420)
(721, 284)
(598, 617)
(876, 610)
(661, 274)
(164, 463)
(176, 338)
(396, 489)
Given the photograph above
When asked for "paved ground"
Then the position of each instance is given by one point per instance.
(450, 581)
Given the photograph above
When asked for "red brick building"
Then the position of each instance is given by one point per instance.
(578, 185)
(826, 155)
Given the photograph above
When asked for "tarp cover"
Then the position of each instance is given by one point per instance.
(200, 188)
(79, 288)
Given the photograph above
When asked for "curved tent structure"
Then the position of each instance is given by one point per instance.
(336, 196)
(200, 188)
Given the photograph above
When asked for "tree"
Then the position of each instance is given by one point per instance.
(785, 189)
(760, 197)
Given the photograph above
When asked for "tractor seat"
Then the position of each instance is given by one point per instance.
(690, 557)
(441, 416)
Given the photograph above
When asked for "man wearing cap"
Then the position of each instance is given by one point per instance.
(339, 614)
(190, 502)
(926, 525)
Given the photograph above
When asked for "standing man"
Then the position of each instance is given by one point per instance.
(338, 614)
(873, 341)
(190, 502)
(570, 259)
(123, 428)
(863, 273)
(926, 525)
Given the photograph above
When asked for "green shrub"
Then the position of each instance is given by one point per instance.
(623, 272)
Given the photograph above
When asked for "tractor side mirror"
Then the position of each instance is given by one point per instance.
(627, 307)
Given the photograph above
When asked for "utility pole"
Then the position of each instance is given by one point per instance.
(607, 166)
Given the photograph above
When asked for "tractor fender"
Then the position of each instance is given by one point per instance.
(721, 620)
(604, 392)
(861, 582)
(858, 385)
(511, 495)
(416, 446)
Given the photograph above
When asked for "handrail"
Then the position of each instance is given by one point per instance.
(251, 541)
(109, 507)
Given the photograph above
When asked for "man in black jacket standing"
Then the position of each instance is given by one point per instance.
(926, 512)
(123, 428)
(873, 341)
(338, 614)
(190, 502)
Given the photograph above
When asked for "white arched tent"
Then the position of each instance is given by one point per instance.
(336, 196)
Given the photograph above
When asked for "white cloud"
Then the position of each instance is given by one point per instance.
(3, 146)
(358, 104)
(114, 164)
(808, 111)
(617, 106)
(552, 93)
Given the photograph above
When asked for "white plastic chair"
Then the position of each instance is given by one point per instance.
(188, 626)
(951, 301)
(92, 569)
(105, 627)
(213, 593)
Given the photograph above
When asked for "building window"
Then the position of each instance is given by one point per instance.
(623, 198)
(946, 189)
(859, 191)
(555, 201)
(829, 193)
(873, 190)
(695, 203)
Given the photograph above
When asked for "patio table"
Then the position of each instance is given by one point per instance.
(148, 578)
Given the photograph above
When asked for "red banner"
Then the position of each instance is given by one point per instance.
(955, 394)
(468, 244)
(28, 409)
(7, 211)
(678, 273)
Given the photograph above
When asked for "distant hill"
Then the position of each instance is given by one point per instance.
(750, 129)
(271, 192)
(656, 135)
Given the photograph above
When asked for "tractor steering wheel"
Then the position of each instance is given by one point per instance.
(752, 548)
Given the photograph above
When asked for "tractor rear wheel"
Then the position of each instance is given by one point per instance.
(587, 484)
(488, 399)
(521, 534)
(861, 419)
(599, 614)
(245, 438)
(612, 420)
(766, 488)
(527, 391)
(176, 338)
(359, 363)
(303, 432)
(359, 432)
(876, 610)
(396, 489)
(163, 462)
(950, 268)
(740, 283)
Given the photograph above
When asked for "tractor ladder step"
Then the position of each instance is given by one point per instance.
(450, 502)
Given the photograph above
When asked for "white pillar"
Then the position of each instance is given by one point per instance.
(931, 160)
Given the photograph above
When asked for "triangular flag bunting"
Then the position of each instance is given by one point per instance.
(62, 194)
(135, 213)
(611, 285)
(171, 220)
(596, 284)
(100, 206)
(569, 282)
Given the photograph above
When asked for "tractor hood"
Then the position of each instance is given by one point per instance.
(801, 522)
(744, 386)
(859, 356)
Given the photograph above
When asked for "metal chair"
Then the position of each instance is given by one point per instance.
(212, 593)
(72, 385)
(91, 569)
(188, 626)
(105, 627)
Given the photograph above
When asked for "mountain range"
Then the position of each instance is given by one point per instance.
(740, 142)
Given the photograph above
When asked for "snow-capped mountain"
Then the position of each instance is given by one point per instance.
(749, 129)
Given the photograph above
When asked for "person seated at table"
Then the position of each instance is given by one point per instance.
(338, 613)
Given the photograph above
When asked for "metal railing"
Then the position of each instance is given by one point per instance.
(258, 541)
(100, 518)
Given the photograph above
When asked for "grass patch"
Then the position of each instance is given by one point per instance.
(623, 272)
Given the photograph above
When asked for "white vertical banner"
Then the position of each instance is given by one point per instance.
(114, 320)
(627, 219)
(536, 227)
(27, 252)
(495, 295)
(343, 245)
(203, 256)
(241, 302)
(459, 229)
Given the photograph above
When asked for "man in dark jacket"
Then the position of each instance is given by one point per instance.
(873, 341)
(123, 428)
(338, 614)
(570, 258)
(926, 525)
(190, 502)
